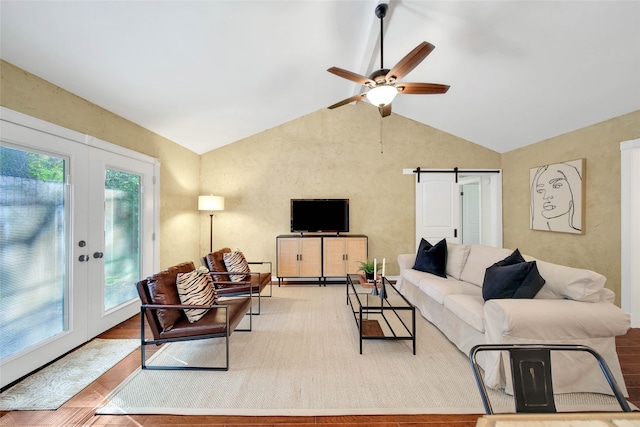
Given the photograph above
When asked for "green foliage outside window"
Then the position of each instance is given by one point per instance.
(23, 164)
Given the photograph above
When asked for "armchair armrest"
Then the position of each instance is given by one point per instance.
(177, 306)
(261, 263)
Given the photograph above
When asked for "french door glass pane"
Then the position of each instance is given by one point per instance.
(33, 250)
(122, 237)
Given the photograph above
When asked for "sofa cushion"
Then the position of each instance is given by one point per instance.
(518, 280)
(456, 258)
(480, 258)
(468, 308)
(437, 288)
(196, 288)
(571, 283)
(432, 258)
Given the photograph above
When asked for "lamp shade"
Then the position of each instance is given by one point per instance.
(210, 203)
(382, 95)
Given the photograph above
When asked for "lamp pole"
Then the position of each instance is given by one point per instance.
(211, 232)
(211, 204)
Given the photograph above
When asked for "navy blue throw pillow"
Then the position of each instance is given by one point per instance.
(514, 258)
(432, 258)
(531, 284)
(512, 278)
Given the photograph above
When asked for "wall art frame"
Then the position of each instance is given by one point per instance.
(557, 197)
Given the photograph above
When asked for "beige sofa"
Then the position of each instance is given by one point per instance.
(573, 307)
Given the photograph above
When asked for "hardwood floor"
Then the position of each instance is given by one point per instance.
(80, 410)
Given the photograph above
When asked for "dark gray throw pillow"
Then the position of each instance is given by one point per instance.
(502, 281)
(512, 277)
(432, 258)
(531, 284)
(514, 258)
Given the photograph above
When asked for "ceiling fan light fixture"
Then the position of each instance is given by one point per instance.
(382, 95)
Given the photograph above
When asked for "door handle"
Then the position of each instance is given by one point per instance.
(98, 255)
(83, 258)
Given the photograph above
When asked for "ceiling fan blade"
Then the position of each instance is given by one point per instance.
(357, 97)
(385, 111)
(422, 88)
(366, 81)
(409, 62)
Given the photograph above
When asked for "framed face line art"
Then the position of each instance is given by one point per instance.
(557, 200)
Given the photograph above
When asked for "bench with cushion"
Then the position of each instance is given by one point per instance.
(171, 319)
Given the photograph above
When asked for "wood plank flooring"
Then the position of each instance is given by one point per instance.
(80, 410)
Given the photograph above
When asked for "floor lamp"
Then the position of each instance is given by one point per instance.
(211, 204)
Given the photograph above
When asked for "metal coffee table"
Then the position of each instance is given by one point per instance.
(381, 315)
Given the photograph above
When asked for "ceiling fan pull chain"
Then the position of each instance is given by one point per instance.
(381, 146)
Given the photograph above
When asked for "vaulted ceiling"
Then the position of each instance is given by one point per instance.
(208, 73)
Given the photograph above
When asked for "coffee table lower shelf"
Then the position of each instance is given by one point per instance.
(390, 317)
(371, 328)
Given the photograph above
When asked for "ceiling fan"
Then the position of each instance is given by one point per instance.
(383, 83)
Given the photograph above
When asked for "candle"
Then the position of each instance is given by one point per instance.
(383, 264)
(375, 269)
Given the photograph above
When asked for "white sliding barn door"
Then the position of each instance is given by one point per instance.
(437, 207)
(439, 213)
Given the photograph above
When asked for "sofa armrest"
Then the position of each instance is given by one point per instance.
(552, 320)
(406, 261)
(556, 321)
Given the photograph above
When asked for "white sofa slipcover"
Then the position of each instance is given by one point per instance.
(573, 307)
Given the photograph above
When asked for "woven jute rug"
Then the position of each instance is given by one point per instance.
(302, 358)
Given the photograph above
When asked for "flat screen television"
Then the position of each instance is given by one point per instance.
(320, 215)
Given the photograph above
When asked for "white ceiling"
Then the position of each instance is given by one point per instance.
(207, 73)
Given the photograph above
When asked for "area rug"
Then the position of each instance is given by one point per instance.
(302, 358)
(51, 387)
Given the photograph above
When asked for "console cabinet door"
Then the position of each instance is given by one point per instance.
(288, 257)
(342, 255)
(334, 256)
(356, 251)
(310, 257)
(299, 257)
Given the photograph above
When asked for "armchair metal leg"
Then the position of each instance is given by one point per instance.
(144, 342)
(250, 314)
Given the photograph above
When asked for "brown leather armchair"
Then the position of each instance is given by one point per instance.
(253, 286)
(164, 313)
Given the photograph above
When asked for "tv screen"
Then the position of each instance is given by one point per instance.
(320, 215)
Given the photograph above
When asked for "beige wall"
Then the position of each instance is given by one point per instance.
(179, 171)
(329, 154)
(337, 153)
(599, 247)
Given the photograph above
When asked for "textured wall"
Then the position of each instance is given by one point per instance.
(179, 171)
(329, 154)
(599, 248)
(337, 154)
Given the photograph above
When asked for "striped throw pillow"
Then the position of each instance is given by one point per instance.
(236, 263)
(196, 288)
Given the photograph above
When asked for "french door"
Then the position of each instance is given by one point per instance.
(77, 226)
(120, 212)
